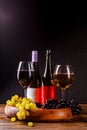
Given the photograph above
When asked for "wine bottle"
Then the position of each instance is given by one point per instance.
(33, 91)
(48, 91)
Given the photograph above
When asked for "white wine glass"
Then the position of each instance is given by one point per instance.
(63, 77)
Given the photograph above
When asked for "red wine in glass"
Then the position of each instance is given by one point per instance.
(24, 79)
(24, 75)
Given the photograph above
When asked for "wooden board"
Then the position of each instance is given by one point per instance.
(80, 124)
(49, 115)
(43, 114)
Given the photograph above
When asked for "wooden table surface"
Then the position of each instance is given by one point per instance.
(78, 124)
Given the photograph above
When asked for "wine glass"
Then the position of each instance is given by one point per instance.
(63, 77)
(24, 75)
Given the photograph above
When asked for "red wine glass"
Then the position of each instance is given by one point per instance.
(63, 77)
(24, 75)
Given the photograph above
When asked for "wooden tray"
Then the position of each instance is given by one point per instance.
(49, 115)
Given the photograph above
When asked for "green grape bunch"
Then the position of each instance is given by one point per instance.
(24, 105)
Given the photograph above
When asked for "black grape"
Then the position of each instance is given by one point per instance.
(55, 104)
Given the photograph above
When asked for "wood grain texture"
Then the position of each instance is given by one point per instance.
(42, 115)
(5, 123)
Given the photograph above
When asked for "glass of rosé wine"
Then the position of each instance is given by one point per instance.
(24, 75)
(63, 77)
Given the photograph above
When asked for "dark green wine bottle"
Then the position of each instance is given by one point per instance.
(48, 91)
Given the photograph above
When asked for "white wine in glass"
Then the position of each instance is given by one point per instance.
(63, 77)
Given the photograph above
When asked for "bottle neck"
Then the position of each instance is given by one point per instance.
(48, 66)
(35, 61)
(36, 67)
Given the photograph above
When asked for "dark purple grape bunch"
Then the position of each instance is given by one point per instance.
(75, 107)
(50, 104)
(54, 104)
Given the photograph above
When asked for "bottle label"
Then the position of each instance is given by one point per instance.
(45, 94)
(48, 92)
(38, 94)
(53, 92)
(34, 94)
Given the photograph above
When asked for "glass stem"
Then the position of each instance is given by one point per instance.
(25, 92)
(63, 94)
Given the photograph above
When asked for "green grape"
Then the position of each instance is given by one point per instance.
(19, 99)
(27, 113)
(21, 107)
(27, 106)
(18, 104)
(33, 106)
(13, 102)
(30, 124)
(15, 97)
(10, 103)
(24, 105)
(30, 100)
(19, 116)
(13, 119)
(24, 99)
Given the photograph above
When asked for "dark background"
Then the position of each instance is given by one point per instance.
(26, 25)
